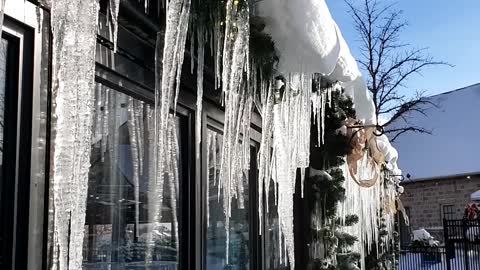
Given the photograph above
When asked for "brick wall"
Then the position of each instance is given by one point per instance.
(425, 200)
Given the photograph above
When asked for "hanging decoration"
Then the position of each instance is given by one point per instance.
(365, 154)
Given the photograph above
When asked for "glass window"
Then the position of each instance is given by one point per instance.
(239, 227)
(448, 212)
(131, 220)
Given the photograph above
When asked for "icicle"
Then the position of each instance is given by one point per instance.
(265, 152)
(172, 171)
(209, 145)
(105, 120)
(180, 45)
(237, 102)
(214, 158)
(167, 78)
(291, 149)
(365, 203)
(153, 192)
(74, 38)
(2, 8)
(192, 53)
(200, 66)
(114, 6)
(140, 136)
(133, 131)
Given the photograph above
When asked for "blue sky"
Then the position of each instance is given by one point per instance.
(450, 29)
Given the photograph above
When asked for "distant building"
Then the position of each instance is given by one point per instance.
(443, 169)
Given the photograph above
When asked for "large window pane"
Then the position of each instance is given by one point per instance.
(239, 220)
(131, 221)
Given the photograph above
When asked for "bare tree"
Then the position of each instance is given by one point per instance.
(389, 63)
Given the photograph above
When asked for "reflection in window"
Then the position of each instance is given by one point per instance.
(131, 221)
(238, 250)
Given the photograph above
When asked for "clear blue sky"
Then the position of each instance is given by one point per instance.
(451, 30)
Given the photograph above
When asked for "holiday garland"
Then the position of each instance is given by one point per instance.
(330, 245)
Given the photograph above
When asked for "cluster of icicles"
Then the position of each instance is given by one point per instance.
(286, 122)
(370, 205)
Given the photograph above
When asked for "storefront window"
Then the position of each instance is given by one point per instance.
(239, 226)
(131, 220)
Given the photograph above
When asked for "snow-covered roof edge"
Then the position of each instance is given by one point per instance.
(309, 41)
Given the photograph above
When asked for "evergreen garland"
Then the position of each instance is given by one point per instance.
(327, 190)
(262, 47)
(386, 256)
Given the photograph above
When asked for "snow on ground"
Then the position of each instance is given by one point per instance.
(421, 261)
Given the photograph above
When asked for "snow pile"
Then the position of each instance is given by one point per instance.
(424, 237)
(304, 34)
(74, 26)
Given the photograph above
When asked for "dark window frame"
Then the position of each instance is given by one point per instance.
(17, 145)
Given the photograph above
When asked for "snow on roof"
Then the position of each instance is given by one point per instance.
(453, 148)
(475, 196)
(309, 41)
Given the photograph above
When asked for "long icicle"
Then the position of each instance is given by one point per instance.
(168, 67)
(232, 168)
(133, 127)
(2, 8)
(114, 8)
(200, 67)
(74, 28)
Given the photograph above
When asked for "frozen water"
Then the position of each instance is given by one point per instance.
(74, 27)
(114, 7)
(366, 204)
(2, 7)
(200, 66)
(134, 129)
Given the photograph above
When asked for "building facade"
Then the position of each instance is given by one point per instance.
(441, 169)
(429, 201)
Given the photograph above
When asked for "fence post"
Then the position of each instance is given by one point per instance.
(465, 244)
(448, 248)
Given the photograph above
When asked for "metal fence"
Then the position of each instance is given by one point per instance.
(432, 258)
(460, 252)
(462, 243)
